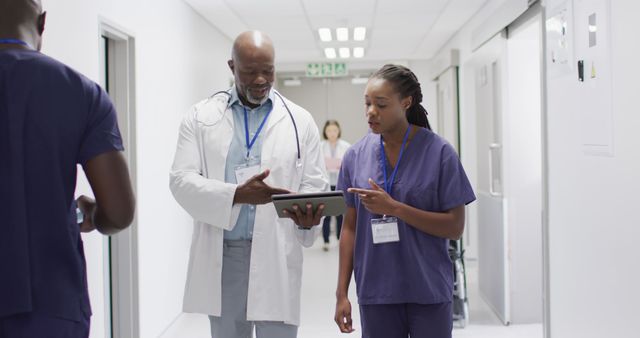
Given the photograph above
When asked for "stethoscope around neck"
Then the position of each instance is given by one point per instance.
(295, 126)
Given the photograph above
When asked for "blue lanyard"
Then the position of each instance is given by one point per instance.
(388, 184)
(13, 42)
(246, 129)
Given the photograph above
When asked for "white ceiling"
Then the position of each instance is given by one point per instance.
(396, 29)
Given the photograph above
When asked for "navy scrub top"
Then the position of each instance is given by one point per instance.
(51, 119)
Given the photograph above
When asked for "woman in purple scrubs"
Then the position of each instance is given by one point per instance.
(406, 193)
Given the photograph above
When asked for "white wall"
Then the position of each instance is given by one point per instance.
(339, 99)
(180, 59)
(334, 98)
(421, 68)
(594, 224)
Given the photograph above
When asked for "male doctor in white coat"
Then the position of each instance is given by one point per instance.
(235, 150)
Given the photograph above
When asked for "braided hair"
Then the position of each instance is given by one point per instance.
(405, 82)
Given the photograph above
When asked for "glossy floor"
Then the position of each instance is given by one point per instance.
(318, 301)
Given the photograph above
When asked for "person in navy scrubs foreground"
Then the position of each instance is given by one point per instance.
(406, 193)
(51, 119)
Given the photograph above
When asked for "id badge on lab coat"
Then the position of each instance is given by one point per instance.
(385, 230)
(246, 171)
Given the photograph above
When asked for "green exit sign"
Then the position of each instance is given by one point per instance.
(327, 69)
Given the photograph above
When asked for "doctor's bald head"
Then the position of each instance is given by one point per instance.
(252, 65)
(22, 19)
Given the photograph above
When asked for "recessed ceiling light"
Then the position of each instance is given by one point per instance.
(330, 53)
(359, 33)
(345, 53)
(342, 34)
(358, 52)
(325, 34)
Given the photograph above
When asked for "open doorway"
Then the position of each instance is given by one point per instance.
(117, 55)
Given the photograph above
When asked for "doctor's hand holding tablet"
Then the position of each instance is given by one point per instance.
(306, 219)
(306, 210)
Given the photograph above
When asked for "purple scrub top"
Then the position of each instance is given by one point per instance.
(417, 269)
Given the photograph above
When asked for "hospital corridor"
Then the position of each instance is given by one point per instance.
(319, 169)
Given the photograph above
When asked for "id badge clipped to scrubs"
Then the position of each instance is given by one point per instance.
(385, 230)
(246, 171)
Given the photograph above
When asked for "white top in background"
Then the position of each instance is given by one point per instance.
(333, 158)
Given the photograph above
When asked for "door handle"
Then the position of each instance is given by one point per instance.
(492, 191)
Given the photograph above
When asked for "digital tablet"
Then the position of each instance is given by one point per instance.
(333, 201)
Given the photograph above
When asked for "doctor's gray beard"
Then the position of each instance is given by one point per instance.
(253, 100)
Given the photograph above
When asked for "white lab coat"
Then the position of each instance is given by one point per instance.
(197, 183)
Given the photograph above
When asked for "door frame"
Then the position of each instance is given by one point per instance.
(544, 123)
(121, 258)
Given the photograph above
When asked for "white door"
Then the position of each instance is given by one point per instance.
(522, 163)
(489, 63)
